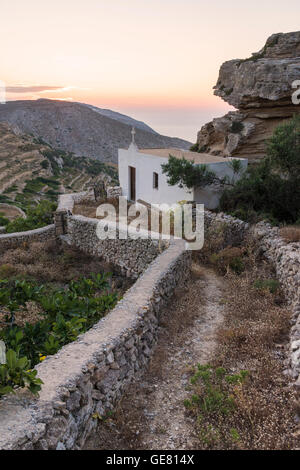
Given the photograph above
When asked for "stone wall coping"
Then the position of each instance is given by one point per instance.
(122, 228)
(28, 233)
(66, 201)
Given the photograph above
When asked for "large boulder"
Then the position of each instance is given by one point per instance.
(260, 87)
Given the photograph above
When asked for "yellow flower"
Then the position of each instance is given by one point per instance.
(42, 358)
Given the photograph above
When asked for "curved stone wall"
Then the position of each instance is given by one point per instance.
(13, 240)
(87, 377)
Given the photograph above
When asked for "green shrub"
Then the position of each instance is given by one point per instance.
(3, 220)
(16, 373)
(212, 401)
(215, 393)
(270, 190)
(194, 148)
(230, 257)
(236, 127)
(272, 285)
(37, 217)
(68, 313)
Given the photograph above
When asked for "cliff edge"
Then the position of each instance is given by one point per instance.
(260, 87)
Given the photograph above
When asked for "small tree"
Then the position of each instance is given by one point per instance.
(272, 189)
(184, 172)
(284, 147)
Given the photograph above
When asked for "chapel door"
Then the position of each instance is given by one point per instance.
(132, 178)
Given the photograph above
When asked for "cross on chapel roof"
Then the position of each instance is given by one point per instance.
(133, 135)
(133, 143)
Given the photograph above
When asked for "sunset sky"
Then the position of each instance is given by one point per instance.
(156, 60)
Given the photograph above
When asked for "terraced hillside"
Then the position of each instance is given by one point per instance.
(31, 170)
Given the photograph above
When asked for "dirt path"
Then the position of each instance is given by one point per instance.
(151, 415)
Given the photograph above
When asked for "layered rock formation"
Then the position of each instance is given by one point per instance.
(260, 87)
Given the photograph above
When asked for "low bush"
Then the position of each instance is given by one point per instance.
(37, 217)
(3, 220)
(272, 285)
(228, 258)
(213, 401)
(16, 373)
(67, 312)
(271, 189)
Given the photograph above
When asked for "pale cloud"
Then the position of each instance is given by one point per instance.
(33, 89)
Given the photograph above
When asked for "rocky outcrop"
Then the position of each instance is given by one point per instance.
(260, 87)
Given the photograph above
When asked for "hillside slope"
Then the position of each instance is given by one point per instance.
(31, 170)
(77, 128)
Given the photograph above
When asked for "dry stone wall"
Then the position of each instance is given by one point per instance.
(233, 230)
(87, 377)
(286, 259)
(13, 240)
(114, 191)
(129, 255)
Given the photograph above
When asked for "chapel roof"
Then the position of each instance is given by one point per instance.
(187, 154)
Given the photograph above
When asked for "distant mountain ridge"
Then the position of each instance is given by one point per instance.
(82, 129)
(122, 118)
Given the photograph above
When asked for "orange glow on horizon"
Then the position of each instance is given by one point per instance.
(138, 54)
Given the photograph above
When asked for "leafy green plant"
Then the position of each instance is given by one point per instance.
(87, 286)
(65, 331)
(37, 217)
(17, 373)
(3, 220)
(51, 345)
(68, 312)
(184, 172)
(213, 399)
(194, 148)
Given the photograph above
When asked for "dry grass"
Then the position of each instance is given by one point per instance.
(253, 337)
(30, 313)
(51, 262)
(290, 233)
(54, 266)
